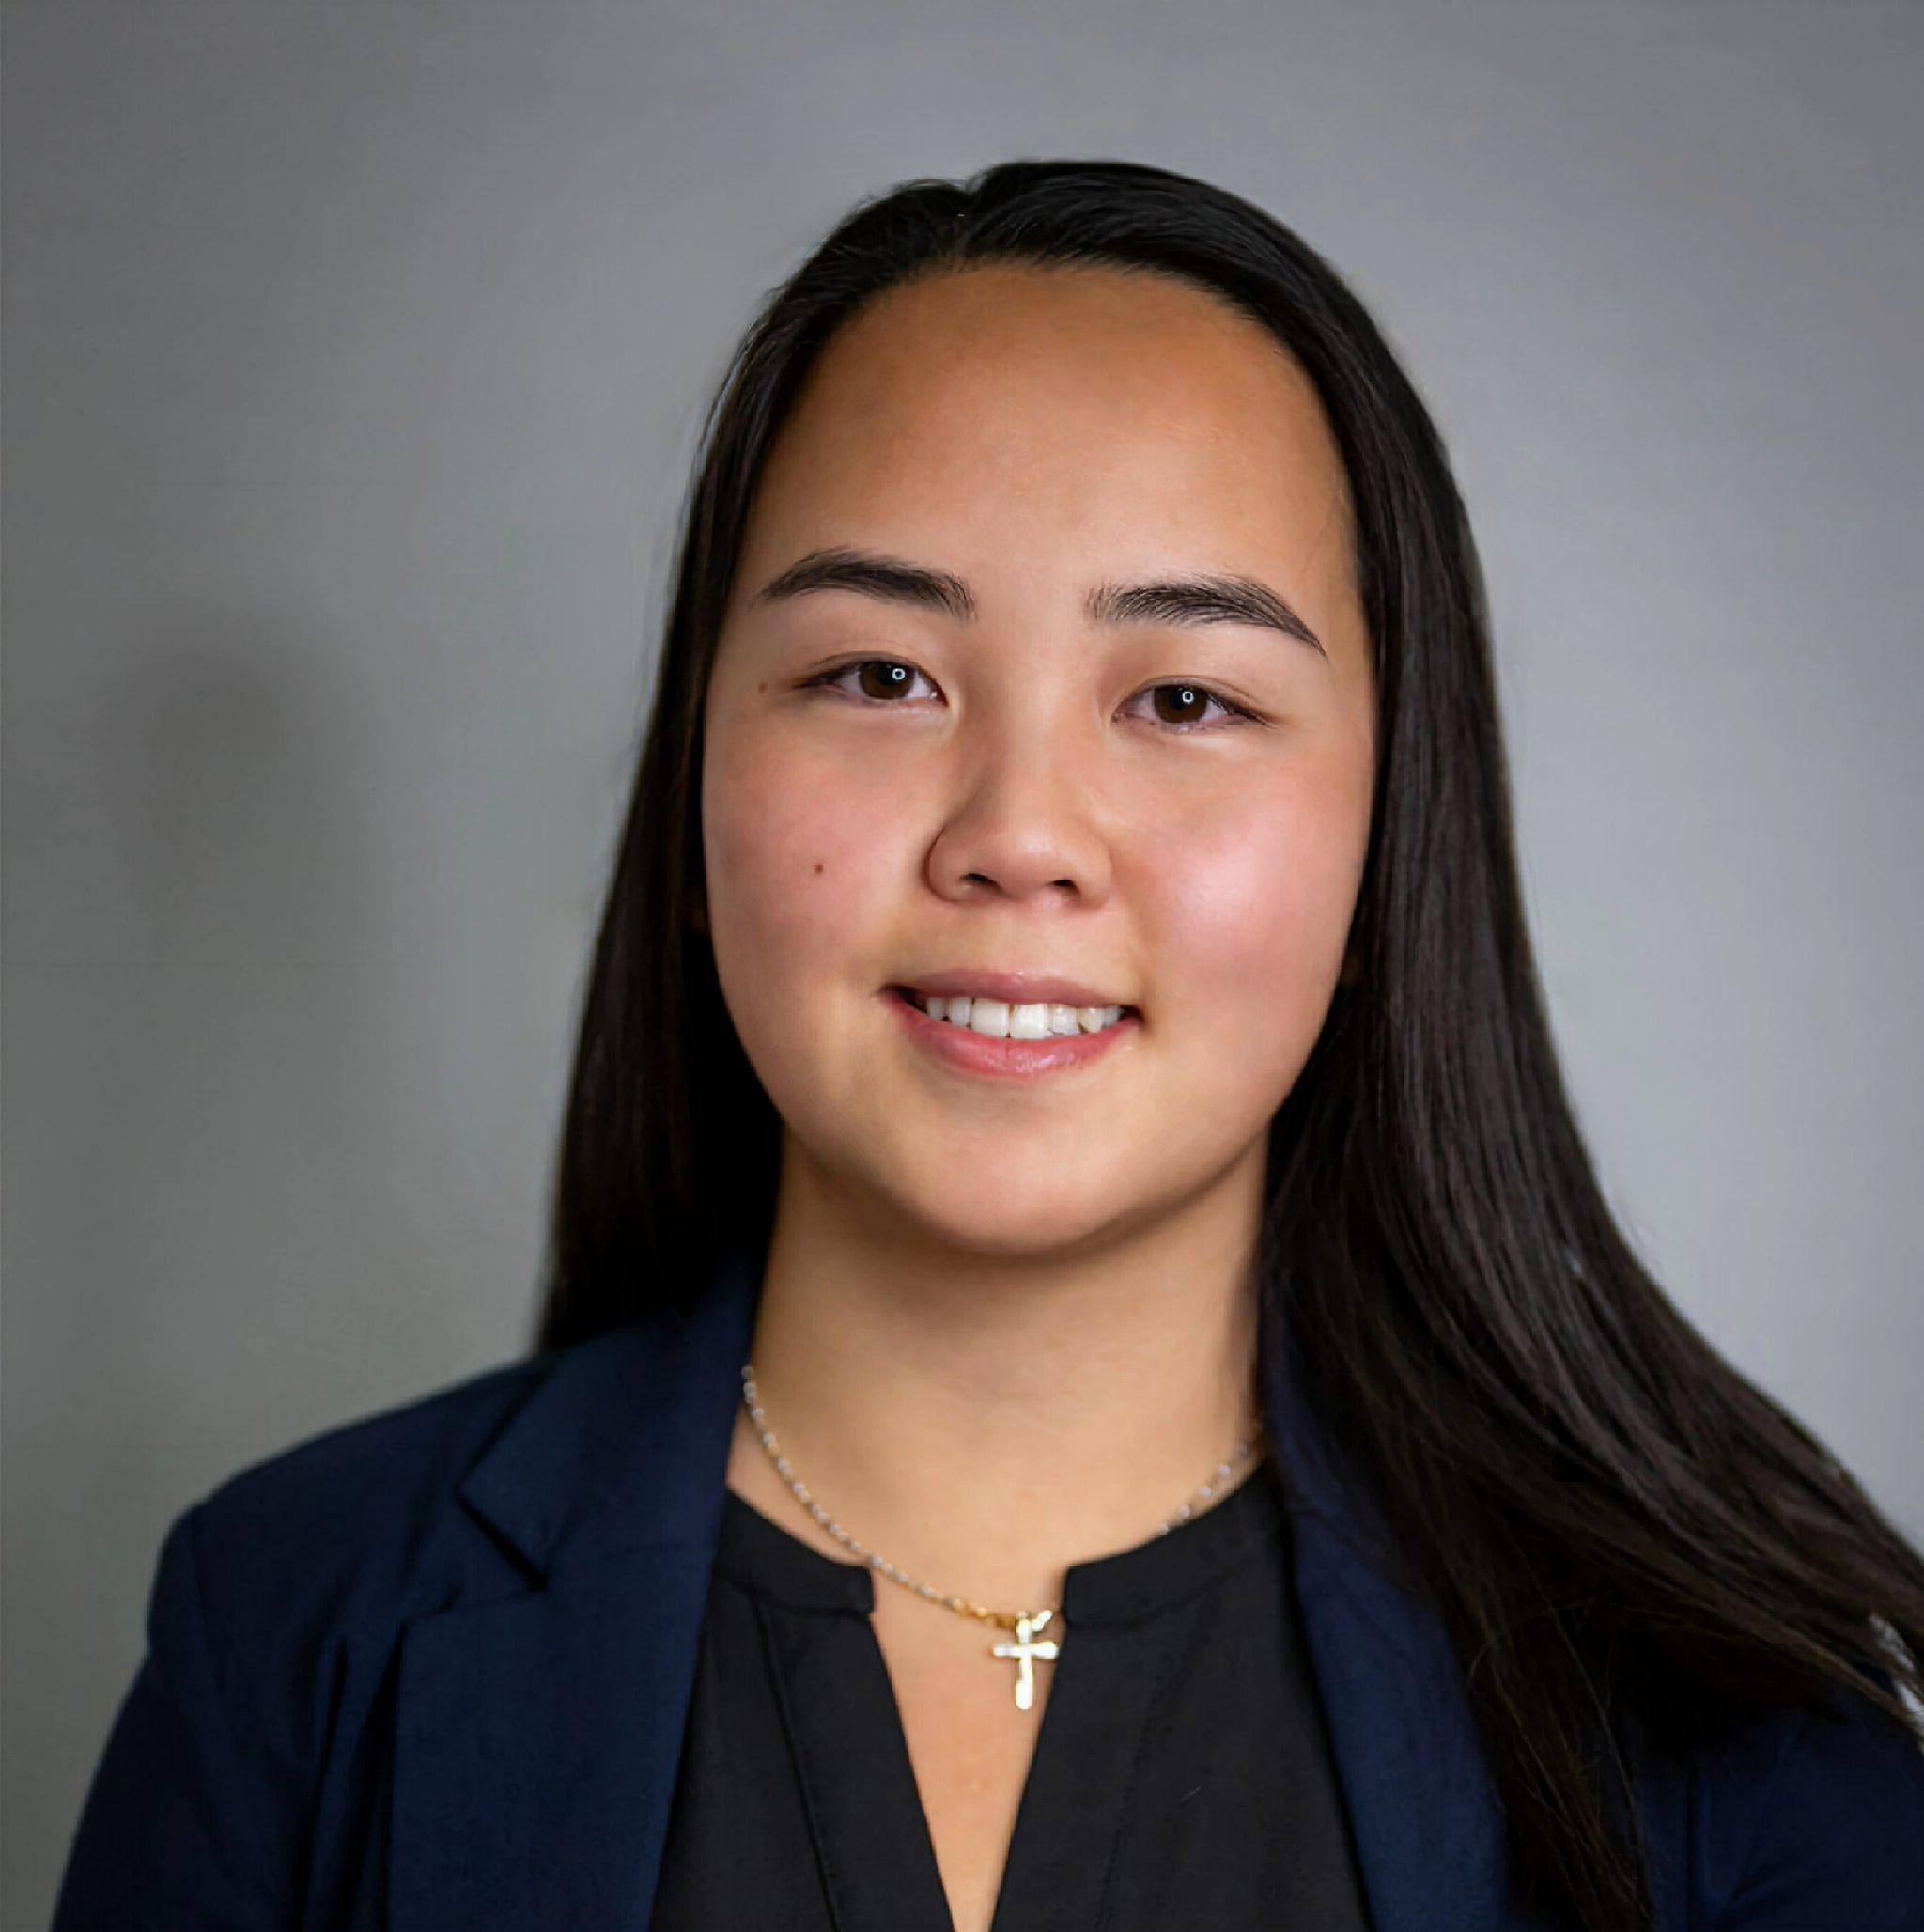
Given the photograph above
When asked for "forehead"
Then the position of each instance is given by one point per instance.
(1085, 402)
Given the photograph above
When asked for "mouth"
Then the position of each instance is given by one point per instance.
(997, 1018)
(1012, 1043)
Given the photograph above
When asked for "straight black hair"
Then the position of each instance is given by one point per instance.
(1613, 1523)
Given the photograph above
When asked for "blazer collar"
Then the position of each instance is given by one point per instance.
(538, 1734)
(1422, 1808)
(624, 1447)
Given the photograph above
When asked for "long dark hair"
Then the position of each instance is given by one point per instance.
(1607, 1516)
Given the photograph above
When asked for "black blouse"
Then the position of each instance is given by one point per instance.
(1180, 1776)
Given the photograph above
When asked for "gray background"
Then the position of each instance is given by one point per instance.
(353, 361)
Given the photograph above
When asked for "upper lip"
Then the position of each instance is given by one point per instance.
(1017, 989)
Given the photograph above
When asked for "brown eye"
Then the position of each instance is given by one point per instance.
(1191, 704)
(881, 678)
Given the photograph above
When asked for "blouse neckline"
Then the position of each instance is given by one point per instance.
(1155, 1575)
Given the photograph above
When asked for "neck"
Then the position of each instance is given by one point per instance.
(984, 1420)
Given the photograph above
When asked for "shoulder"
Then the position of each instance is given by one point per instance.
(297, 1569)
(274, 1606)
(364, 1495)
(1812, 1819)
(282, 1600)
(309, 1561)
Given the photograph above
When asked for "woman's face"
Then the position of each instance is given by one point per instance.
(893, 786)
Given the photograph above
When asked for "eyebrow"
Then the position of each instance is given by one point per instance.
(1205, 598)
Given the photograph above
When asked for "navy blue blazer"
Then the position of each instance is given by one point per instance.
(431, 1669)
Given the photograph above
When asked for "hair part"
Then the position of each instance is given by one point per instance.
(1624, 1537)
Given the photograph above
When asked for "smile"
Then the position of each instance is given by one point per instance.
(1016, 1021)
(1038, 1049)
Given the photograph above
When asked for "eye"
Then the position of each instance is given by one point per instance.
(894, 681)
(1189, 692)
(896, 675)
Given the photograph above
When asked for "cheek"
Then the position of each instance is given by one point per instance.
(1251, 914)
(1254, 905)
(790, 848)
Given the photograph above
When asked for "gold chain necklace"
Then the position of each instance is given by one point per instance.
(1029, 1647)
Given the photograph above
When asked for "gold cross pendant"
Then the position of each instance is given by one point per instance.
(1024, 1650)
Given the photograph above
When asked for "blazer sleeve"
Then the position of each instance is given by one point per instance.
(1839, 1837)
(174, 1830)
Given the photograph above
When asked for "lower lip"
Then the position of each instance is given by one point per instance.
(976, 1052)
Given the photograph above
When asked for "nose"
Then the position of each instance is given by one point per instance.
(1023, 828)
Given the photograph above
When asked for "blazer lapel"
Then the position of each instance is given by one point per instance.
(1422, 1807)
(537, 1734)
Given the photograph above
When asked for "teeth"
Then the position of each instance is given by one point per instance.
(999, 1019)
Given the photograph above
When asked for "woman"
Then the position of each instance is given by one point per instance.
(1086, 1376)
